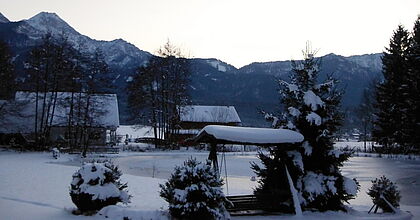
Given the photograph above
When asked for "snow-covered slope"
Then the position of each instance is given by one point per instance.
(372, 61)
(3, 19)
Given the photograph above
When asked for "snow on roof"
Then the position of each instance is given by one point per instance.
(248, 135)
(215, 114)
(21, 118)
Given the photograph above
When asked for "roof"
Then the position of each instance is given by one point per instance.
(212, 114)
(20, 117)
(247, 135)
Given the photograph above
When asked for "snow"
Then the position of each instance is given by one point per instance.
(251, 135)
(312, 100)
(218, 65)
(188, 131)
(350, 186)
(118, 212)
(3, 19)
(202, 113)
(328, 84)
(274, 119)
(314, 118)
(318, 184)
(25, 193)
(96, 172)
(336, 153)
(129, 79)
(102, 192)
(294, 111)
(290, 125)
(291, 87)
(307, 147)
(135, 131)
(296, 158)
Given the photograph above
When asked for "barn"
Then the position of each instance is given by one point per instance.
(101, 120)
(193, 118)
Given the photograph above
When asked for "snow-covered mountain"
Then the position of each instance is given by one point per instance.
(3, 19)
(118, 53)
(213, 81)
(372, 61)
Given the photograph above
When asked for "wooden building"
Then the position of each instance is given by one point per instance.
(101, 121)
(193, 118)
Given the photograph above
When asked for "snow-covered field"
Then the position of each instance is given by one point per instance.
(35, 186)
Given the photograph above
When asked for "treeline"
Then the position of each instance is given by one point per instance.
(158, 89)
(396, 122)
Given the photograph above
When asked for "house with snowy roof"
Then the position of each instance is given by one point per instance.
(102, 118)
(193, 118)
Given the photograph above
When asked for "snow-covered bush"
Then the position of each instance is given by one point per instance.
(96, 185)
(384, 188)
(194, 192)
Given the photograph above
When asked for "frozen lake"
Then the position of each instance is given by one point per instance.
(406, 173)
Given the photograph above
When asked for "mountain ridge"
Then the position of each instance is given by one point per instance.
(3, 19)
(213, 81)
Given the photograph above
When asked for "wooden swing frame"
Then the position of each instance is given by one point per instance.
(244, 202)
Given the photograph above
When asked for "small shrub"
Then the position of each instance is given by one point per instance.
(96, 185)
(194, 192)
(383, 186)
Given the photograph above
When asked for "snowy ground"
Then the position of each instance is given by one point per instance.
(35, 186)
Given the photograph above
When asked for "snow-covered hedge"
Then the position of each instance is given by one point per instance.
(194, 192)
(384, 189)
(96, 185)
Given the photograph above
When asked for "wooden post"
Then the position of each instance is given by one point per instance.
(293, 191)
(213, 156)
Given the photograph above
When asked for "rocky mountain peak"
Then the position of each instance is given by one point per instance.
(50, 22)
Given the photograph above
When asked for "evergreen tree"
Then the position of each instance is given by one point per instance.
(314, 110)
(194, 192)
(7, 72)
(414, 74)
(393, 95)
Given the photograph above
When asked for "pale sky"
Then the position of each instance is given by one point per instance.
(235, 31)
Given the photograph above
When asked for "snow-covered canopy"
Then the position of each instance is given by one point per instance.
(21, 117)
(215, 114)
(247, 135)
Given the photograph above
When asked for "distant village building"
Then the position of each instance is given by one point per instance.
(195, 117)
(103, 119)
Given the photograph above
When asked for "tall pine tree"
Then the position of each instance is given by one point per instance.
(313, 110)
(393, 95)
(414, 74)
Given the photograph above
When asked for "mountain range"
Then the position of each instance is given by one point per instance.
(213, 82)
